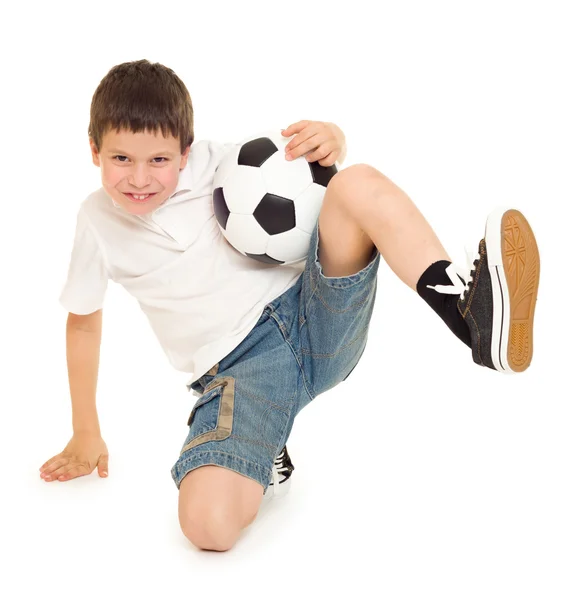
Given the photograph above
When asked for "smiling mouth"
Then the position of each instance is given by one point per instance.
(139, 199)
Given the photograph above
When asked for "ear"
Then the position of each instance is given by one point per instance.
(184, 159)
(94, 151)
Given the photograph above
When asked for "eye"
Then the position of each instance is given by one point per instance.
(119, 156)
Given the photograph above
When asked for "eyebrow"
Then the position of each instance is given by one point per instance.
(122, 153)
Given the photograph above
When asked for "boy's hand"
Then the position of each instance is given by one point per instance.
(324, 142)
(81, 455)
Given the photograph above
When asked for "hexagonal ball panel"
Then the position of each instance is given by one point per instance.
(290, 247)
(243, 231)
(308, 206)
(286, 178)
(244, 189)
(228, 163)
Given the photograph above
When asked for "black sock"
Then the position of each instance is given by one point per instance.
(443, 304)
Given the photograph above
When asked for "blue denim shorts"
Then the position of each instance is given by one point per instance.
(306, 341)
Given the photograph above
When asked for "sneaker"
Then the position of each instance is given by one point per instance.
(281, 472)
(499, 295)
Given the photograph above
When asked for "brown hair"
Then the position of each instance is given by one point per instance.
(142, 96)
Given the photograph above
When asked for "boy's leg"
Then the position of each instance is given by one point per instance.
(363, 208)
(491, 311)
(215, 504)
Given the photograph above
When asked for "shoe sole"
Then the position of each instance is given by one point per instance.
(514, 266)
(283, 489)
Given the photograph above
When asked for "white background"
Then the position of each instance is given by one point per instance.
(423, 475)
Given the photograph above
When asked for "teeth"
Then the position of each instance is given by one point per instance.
(140, 197)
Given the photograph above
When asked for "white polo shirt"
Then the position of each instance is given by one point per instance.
(200, 295)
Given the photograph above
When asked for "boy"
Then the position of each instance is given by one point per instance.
(292, 332)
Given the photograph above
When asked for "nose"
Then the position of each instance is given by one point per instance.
(140, 177)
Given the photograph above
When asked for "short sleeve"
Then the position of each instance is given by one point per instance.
(85, 287)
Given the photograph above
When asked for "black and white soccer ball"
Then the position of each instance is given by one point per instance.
(267, 206)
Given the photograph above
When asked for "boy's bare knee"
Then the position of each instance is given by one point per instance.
(211, 531)
(215, 504)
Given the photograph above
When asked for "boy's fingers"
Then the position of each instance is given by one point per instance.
(312, 143)
(103, 467)
(73, 472)
(311, 132)
(66, 472)
(76, 471)
(294, 142)
(45, 465)
(59, 462)
(295, 127)
(303, 135)
(57, 472)
(329, 160)
(321, 152)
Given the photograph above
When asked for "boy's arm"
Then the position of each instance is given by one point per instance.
(83, 336)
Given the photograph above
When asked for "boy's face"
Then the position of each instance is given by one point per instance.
(139, 163)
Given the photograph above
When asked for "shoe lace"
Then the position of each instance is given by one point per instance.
(461, 277)
(282, 466)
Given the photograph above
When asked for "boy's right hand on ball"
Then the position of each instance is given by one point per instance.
(83, 453)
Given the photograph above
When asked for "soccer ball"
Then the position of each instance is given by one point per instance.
(267, 206)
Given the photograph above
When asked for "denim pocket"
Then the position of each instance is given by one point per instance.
(206, 397)
(212, 416)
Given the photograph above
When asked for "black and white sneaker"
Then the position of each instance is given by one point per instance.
(498, 296)
(281, 472)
